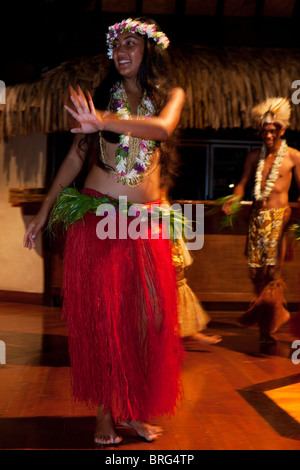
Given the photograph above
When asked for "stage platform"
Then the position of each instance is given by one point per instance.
(238, 395)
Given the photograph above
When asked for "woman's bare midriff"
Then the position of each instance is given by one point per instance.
(106, 182)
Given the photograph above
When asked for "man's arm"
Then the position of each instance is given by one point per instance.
(296, 161)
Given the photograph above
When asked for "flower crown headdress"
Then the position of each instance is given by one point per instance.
(272, 110)
(138, 27)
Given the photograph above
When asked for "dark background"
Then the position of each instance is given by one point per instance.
(38, 35)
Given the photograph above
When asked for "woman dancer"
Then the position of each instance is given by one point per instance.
(119, 293)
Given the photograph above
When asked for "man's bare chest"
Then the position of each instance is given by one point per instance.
(283, 170)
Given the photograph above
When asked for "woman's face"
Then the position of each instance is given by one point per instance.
(128, 52)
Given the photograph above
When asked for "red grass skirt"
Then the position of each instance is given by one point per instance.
(120, 303)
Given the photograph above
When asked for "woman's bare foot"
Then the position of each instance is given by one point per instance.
(145, 430)
(105, 430)
(204, 339)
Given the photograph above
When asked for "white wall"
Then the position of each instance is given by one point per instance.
(22, 164)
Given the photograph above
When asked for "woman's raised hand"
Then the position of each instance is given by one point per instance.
(89, 119)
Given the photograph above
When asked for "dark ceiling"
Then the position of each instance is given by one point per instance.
(40, 34)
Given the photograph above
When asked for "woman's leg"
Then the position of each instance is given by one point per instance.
(145, 430)
(105, 433)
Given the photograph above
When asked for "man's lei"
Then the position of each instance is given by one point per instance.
(133, 155)
(133, 26)
(258, 193)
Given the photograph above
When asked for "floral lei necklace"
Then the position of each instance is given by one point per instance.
(133, 155)
(273, 175)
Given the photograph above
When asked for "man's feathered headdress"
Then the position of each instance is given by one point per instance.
(272, 110)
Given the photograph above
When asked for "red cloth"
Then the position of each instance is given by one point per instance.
(120, 302)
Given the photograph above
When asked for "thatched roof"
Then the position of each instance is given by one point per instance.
(221, 84)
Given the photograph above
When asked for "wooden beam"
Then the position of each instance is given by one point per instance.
(98, 6)
(138, 7)
(180, 7)
(259, 9)
(296, 12)
(220, 8)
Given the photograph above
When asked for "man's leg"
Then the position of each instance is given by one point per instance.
(258, 278)
(251, 316)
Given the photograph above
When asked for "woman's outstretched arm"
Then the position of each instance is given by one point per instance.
(154, 128)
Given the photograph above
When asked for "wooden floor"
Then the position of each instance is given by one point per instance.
(238, 396)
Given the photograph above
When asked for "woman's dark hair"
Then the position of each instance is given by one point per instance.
(156, 79)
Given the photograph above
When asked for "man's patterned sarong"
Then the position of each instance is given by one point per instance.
(266, 228)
